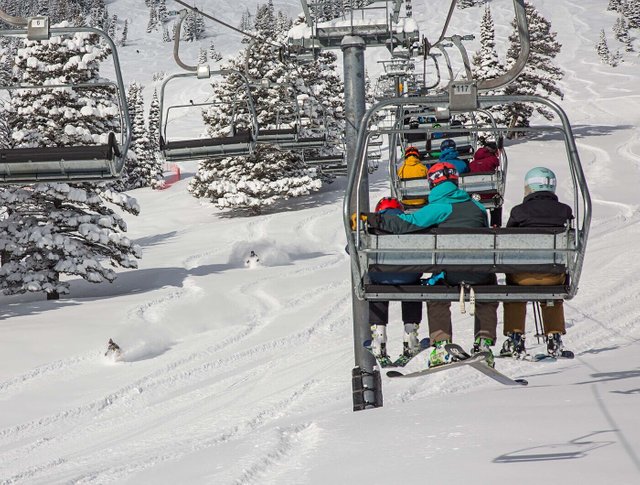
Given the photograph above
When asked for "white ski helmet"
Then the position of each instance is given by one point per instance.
(539, 179)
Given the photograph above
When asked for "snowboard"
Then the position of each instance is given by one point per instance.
(402, 360)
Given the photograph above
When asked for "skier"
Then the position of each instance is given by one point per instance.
(448, 206)
(412, 168)
(252, 261)
(379, 310)
(540, 208)
(485, 159)
(449, 154)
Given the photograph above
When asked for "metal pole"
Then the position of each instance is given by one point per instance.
(354, 95)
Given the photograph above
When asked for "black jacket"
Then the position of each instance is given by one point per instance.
(540, 209)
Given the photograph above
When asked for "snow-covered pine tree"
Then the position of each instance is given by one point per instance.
(98, 14)
(631, 11)
(125, 33)
(143, 170)
(486, 63)
(214, 55)
(166, 36)
(154, 123)
(462, 4)
(58, 228)
(540, 76)
(162, 11)
(621, 32)
(153, 20)
(202, 56)
(603, 49)
(615, 5)
(256, 181)
(113, 25)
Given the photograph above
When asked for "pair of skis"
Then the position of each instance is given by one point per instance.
(401, 361)
(478, 361)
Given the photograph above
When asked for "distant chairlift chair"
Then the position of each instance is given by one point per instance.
(91, 163)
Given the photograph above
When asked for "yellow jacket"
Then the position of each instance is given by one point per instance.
(412, 168)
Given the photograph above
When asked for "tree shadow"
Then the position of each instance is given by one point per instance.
(579, 132)
(576, 448)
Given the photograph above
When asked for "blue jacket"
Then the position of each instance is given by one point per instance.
(443, 199)
(451, 155)
(448, 206)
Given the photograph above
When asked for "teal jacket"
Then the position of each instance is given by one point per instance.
(448, 206)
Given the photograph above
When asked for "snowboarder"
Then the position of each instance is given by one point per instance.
(448, 206)
(113, 350)
(540, 208)
(379, 310)
(252, 261)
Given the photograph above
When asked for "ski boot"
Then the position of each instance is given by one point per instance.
(555, 347)
(379, 345)
(439, 355)
(410, 345)
(484, 345)
(513, 346)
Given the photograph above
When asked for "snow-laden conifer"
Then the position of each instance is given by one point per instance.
(258, 180)
(58, 228)
(486, 63)
(540, 75)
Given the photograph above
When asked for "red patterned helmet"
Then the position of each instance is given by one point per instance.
(389, 203)
(441, 172)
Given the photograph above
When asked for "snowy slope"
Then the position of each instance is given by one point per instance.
(234, 375)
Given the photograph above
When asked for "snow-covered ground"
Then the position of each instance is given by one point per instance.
(236, 375)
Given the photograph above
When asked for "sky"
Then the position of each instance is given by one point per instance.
(237, 375)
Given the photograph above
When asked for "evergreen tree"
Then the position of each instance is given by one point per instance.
(125, 33)
(153, 20)
(603, 49)
(113, 24)
(462, 4)
(615, 5)
(486, 62)
(202, 56)
(162, 11)
(214, 55)
(621, 32)
(58, 228)
(144, 169)
(154, 123)
(269, 174)
(540, 76)
(166, 36)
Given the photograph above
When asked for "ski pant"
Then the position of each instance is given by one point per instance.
(439, 314)
(379, 312)
(515, 313)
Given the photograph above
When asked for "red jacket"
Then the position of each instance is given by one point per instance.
(484, 161)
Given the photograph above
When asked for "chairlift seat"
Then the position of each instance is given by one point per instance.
(219, 147)
(278, 135)
(49, 164)
(482, 250)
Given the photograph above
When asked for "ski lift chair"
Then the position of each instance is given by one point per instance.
(84, 163)
(484, 250)
(242, 133)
